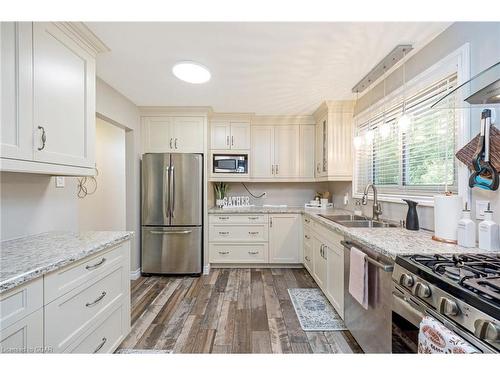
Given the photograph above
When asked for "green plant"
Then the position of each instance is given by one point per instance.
(221, 189)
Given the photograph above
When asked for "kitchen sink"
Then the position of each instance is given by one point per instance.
(356, 221)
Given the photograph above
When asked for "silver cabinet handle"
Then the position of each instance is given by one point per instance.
(307, 221)
(232, 140)
(94, 266)
(44, 138)
(253, 252)
(307, 258)
(253, 233)
(307, 237)
(175, 143)
(227, 140)
(272, 169)
(253, 217)
(171, 139)
(99, 347)
(223, 252)
(98, 299)
(223, 217)
(277, 168)
(170, 232)
(271, 222)
(223, 233)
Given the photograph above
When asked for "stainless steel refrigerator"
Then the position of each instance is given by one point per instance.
(172, 213)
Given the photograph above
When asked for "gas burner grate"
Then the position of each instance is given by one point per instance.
(488, 287)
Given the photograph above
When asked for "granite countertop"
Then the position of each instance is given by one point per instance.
(258, 210)
(390, 242)
(27, 258)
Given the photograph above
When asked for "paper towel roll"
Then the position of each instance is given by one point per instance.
(447, 213)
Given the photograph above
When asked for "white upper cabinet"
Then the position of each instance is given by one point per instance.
(286, 151)
(173, 134)
(48, 97)
(230, 135)
(63, 97)
(262, 152)
(307, 157)
(284, 238)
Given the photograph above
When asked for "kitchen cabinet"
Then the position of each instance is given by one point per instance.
(334, 141)
(335, 277)
(284, 238)
(24, 336)
(308, 249)
(230, 135)
(173, 134)
(48, 98)
(319, 262)
(282, 152)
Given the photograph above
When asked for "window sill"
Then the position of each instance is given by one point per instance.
(425, 201)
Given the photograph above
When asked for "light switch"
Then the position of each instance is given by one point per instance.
(481, 206)
(60, 182)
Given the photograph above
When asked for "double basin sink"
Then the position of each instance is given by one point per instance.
(356, 221)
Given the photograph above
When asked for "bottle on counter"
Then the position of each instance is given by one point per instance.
(488, 232)
(466, 230)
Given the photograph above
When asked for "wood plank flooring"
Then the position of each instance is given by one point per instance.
(227, 311)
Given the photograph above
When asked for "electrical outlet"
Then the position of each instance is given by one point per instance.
(60, 182)
(481, 206)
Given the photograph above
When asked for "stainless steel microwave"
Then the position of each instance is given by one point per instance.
(230, 163)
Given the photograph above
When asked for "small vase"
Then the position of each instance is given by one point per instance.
(219, 202)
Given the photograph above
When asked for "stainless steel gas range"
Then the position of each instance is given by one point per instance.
(461, 291)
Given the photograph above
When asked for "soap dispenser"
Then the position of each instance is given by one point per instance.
(412, 215)
(466, 231)
(488, 232)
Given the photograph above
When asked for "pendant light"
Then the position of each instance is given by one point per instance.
(385, 128)
(404, 120)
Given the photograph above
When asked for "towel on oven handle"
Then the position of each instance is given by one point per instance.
(435, 338)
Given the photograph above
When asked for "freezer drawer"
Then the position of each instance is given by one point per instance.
(171, 250)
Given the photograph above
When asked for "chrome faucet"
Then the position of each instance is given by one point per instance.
(377, 208)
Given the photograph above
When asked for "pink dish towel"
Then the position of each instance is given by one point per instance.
(435, 338)
(358, 277)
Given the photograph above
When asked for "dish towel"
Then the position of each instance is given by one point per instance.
(435, 338)
(358, 277)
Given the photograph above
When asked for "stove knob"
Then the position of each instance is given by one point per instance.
(422, 290)
(448, 307)
(406, 280)
(487, 330)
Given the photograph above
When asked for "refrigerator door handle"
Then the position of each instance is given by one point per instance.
(172, 191)
(166, 193)
(170, 232)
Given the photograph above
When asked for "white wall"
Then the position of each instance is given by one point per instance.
(106, 208)
(32, 204)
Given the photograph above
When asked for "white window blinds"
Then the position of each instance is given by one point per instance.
(408, 159)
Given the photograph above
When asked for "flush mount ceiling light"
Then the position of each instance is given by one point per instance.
(189, 71)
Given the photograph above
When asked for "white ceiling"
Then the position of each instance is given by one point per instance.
(266, 68)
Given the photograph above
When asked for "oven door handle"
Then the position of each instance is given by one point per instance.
(407, 309)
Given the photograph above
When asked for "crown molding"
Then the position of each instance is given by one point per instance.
(234, 116)
(174, 110)
(283, 120)
(80, 32)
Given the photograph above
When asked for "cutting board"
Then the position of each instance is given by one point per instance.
(466, 153)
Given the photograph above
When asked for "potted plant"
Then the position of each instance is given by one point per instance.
(221, 189)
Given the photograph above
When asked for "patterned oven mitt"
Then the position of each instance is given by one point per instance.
(435, 338)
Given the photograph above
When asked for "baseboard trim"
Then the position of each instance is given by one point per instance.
(256, 265)
(134, 275)
(206, 269)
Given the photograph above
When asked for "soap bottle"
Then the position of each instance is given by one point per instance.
(488, 232)
(466, 232)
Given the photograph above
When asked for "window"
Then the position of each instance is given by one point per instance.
(415, 159)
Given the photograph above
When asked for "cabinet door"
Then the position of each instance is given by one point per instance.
(220, 135)
(335, 278)
(287, 151)
(16, 137)
(262, 152)
(240, 136)
(319, 263)
(63, 97)
(284, 238)
(188, 134)
(157, 134)
(24, 336)
(307, 156)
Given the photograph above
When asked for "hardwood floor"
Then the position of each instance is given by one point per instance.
(227, 311)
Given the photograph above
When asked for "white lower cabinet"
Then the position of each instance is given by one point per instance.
(239, 253)
(284, 238)
(335, 278)
(319, 262)
(83, 307)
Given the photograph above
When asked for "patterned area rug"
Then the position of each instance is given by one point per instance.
(142, 351)
(314, 311)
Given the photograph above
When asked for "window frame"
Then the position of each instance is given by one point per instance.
(456, 62)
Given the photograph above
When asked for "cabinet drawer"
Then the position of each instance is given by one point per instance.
(105, 337)
(66, 279)
(20, 302)
(238, 219)
(239, 253)
(70, 315)
(237, 232)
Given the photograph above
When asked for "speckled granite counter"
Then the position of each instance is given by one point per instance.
(27, 258)
(388, 241)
